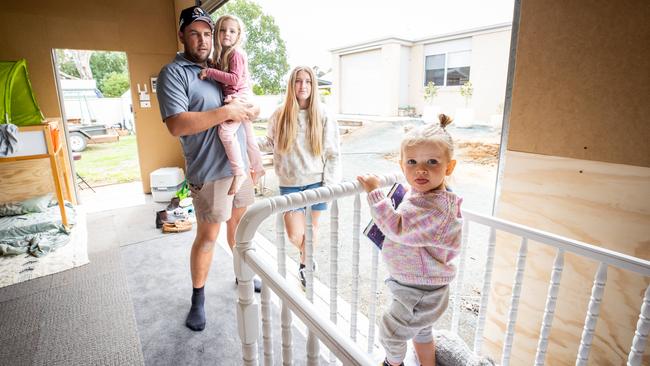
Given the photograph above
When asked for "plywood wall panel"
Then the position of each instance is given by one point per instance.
(582, 81)
(604, 204)
(25, 179)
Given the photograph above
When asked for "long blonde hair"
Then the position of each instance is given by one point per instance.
(287, 116)
(221, 53)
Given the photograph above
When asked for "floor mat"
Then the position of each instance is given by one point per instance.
(24, 267)
(159, 281)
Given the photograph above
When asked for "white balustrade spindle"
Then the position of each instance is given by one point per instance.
(285, 313)
(592, 315)
(641, 333)
(247, 309)
(334, 266)
(485, 292)
(549, 309)
(356, 225)
(460, 275)
(514, 303)
(374, 297)
(312, 340)
(267, 332)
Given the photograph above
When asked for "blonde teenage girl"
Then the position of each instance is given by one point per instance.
(423, 235)
(304, 139)
(231, 70)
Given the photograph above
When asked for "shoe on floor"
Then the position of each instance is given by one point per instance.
(177, 226)
(161, 217)
(302, 273)
(173, 203)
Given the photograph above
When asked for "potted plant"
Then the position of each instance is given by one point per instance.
(465, 116)
(466, 90)
(430, 111)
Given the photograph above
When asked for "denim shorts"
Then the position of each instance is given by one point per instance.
(322, 206)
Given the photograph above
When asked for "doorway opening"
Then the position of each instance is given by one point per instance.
(95, 95)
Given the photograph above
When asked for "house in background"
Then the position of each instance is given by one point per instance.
(381, 77)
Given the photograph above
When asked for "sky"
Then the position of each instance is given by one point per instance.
(311, 28)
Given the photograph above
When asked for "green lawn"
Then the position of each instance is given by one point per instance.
(117, 162)
(259, 127)
(110, 163)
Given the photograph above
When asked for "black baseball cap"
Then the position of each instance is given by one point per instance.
(192, 14)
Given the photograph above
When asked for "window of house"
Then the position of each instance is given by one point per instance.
(448, 69)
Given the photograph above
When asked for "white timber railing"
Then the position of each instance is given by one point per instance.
(345, 347)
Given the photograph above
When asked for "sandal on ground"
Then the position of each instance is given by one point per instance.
(178, 226)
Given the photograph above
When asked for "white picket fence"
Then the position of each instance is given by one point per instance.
(344, 347)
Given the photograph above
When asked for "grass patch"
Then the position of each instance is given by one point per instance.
(259, 127)
(110, 163)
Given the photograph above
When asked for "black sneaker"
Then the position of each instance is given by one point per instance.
(161, 218)
(302, 273)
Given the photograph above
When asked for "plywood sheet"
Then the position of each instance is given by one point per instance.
(600, 203)
(582, 81)
(25, 179)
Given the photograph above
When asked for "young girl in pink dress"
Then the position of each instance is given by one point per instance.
(232, 71)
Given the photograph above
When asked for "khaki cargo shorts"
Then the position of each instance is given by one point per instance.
(212, 204)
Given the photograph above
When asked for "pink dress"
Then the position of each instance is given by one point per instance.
(236, 83)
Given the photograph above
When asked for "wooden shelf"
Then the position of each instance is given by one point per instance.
(43, 141)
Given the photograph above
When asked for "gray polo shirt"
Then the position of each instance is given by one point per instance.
(180, 90)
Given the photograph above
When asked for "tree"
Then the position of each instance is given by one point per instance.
(267, 52)
(102, 66)
(82, 62)
(104, 63)
(67, 67)
(115, 84)
(75, 63)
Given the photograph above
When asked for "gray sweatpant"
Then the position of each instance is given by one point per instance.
(411, 316)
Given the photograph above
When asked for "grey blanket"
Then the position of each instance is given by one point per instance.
(451, 350)
(8, 139)
(34, 233)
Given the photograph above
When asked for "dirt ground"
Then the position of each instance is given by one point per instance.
(473, 152)
(374, 148)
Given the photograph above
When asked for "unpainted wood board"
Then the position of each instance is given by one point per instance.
(25, 179)
(582, 81)
(599, 203)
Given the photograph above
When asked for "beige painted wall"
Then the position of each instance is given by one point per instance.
(144, 29)
(488, 73)
(577, 165)
(389, 84)
(391, 55)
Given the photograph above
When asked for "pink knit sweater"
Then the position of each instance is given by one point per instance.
(235, 81)
(422, 236)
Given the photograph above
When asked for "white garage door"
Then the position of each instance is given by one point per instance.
(361, 83)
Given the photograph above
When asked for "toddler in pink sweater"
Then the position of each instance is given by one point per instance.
(422, 236)
(232, 71)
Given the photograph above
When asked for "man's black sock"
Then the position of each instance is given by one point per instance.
(196, 317)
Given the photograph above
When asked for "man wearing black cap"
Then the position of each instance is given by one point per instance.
(192, 109)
